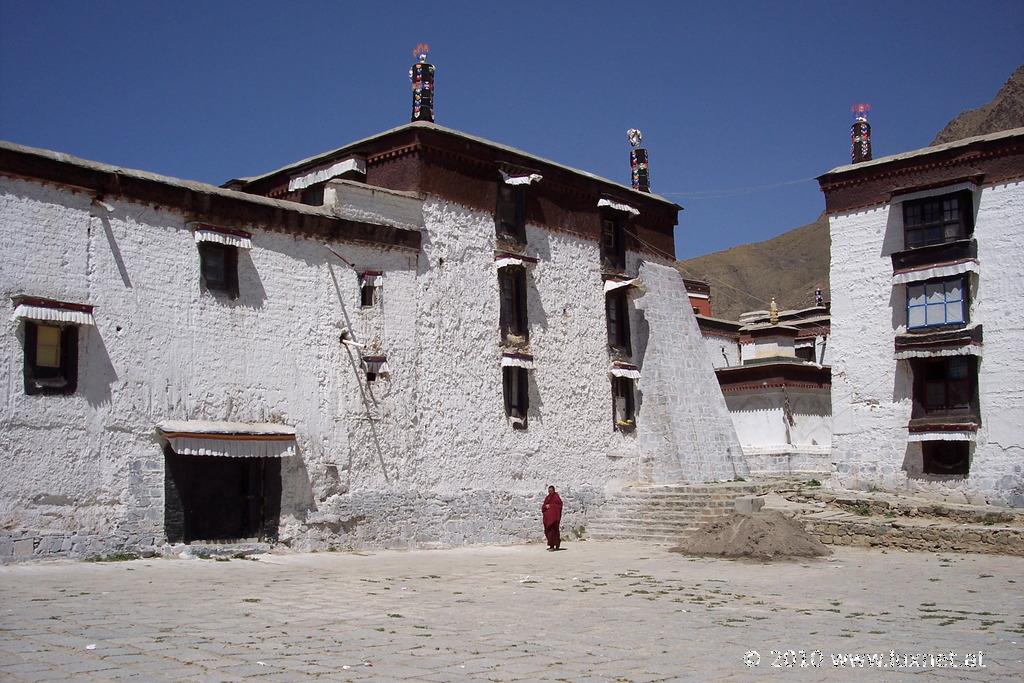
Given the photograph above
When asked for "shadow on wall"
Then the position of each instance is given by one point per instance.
(115, 251)
(251, 293)
(250, 287)
(535, 313)
(903, 382)
(535, 412)
(892, 240)
(898, 306)
(913, 465)
(640, 338)
(642, 335)
(296, 487)
(97, 373)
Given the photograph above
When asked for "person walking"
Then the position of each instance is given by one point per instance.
(551, 512)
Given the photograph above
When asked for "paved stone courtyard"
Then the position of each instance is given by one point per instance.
(597, 611)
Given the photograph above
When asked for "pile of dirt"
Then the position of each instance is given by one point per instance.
(760, 535)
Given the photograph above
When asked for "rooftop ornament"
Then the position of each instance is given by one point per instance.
(860, 134)
(860, 111)
(422, 76)
(773, 314)
(638, 161)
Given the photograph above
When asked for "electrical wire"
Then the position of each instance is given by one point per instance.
(736, 191)
(679, 266)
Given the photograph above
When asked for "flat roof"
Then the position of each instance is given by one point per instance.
(193, 185)
(925, 151)
(459, 134)
(192, 196)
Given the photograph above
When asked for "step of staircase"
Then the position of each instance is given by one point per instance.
(665, 513)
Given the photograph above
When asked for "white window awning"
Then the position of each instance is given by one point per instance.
(503, 259)
(48, 310)
(230, 237)
(228, 439)
(612, 285)
(520, 178)
(617, 206)
(371, 279)
(628, 371)
(935, 271)
(943, 436)
(377, 365)
(965, 350)
(517, 360)
(320, 175)
(506, 261)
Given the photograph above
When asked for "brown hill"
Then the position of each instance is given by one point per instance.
(1005, 111)
(790, 266)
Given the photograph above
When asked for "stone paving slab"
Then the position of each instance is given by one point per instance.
(598, 611)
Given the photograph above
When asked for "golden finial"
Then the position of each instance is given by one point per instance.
(773, 315)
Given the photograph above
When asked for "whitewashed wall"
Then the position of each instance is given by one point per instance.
(427, 457)
(871, 393)
(723, 352)
(777, 441)
(90, 463)
(454, 462)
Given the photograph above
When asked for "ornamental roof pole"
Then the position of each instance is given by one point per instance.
(638, 161)
(860, 134)
(422, 76)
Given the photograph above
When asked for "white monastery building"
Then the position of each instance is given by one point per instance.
(773, 370)
(927, 319)
(399, 342)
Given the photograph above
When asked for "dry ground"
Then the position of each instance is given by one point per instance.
(605, 611)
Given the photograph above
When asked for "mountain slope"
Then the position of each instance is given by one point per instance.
(1005, 111)
(790, 266)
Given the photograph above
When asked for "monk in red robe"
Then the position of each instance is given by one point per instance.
(551, 511)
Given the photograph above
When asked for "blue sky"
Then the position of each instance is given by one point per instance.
(740, 103)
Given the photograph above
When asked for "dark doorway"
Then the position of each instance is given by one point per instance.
(221, 498)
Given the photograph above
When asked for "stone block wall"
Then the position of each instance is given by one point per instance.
(684, 424)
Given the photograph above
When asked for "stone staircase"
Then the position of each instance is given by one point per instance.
(664, 513)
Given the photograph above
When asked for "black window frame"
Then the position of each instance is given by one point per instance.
(948, 458)
(616, 312)
(510, 213)
(208, 253)
(807, 357)
(367, 296)
(927, 223)
(624, 387)
(965, 301)
(613, 241)
(959, 394)
(513, 315)
(515, 384)
(45, 380)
